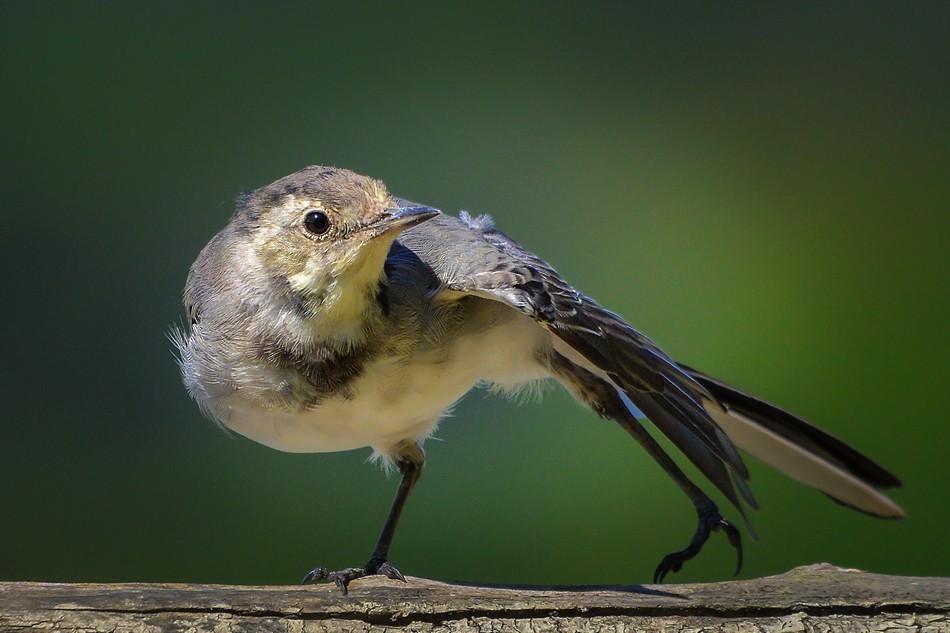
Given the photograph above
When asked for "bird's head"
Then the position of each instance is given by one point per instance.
(326, 232)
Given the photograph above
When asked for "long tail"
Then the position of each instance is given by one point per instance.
(800, 450)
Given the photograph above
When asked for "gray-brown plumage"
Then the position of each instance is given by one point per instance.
(329, 315)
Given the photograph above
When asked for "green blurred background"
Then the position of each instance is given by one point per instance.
(763, 188)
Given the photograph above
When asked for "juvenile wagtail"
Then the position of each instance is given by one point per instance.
(329, 315)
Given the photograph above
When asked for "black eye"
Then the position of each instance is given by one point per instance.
(317, 222)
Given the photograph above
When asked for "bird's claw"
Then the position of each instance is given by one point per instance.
(386, 569)
(709, 521)
(344, 577)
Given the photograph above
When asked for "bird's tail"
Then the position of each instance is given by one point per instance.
(800, 450)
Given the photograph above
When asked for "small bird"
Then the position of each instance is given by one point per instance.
(329, 315)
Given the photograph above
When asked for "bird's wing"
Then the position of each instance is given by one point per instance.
(705, 418)
(486, 263)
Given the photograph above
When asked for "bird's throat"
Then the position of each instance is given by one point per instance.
(345, 296)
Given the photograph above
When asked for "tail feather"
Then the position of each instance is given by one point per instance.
(800, 450)
(684, 421)
(712, 466)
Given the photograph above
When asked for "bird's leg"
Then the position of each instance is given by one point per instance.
(410, 462)
(606, 401)
(709, 518)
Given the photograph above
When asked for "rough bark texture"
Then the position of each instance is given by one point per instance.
(815, 598)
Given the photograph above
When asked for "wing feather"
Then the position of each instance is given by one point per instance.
(669, 396)
(704, 418)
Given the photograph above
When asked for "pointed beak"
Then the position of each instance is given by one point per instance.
(401, 218)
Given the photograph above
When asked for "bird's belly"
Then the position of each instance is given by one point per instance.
(396, 399)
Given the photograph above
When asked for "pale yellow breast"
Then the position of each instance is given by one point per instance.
(396, 400)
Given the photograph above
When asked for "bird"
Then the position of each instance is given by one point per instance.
(330, 315)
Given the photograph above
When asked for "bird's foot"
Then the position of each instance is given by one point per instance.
(344, 577)
(709, 521)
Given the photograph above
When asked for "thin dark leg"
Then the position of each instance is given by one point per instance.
(710, 520)
(411, 469)
(603, 398)
(410, 464)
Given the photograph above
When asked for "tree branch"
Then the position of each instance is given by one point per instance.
(818, 597)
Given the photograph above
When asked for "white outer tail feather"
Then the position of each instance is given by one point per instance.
(798, 463)
(776, 451)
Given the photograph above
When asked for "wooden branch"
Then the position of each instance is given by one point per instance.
(819, 597)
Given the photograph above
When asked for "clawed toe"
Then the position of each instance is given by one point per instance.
(340, 578)
(709, 521)
(386, 569)
(344, 577)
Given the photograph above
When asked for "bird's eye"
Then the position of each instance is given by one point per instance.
(317, 222)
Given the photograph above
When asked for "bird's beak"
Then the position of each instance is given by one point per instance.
(401, 218)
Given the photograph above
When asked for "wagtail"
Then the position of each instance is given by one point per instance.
(329, 315)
